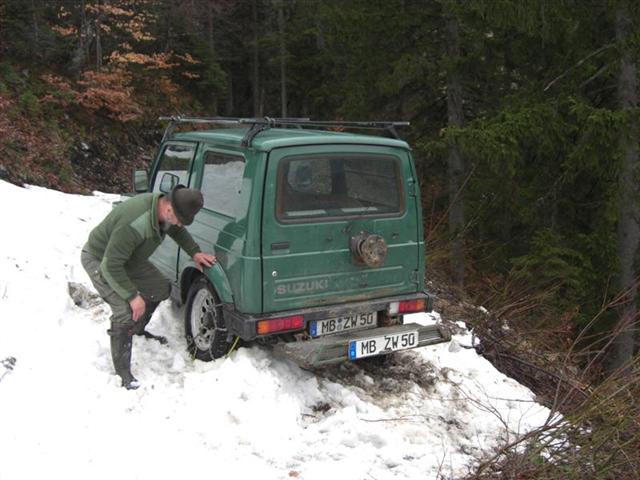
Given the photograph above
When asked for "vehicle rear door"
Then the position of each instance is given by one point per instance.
(316, 199)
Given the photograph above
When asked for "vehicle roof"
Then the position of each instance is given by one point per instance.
(272, 138)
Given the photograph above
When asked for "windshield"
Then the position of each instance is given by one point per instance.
(317, 187)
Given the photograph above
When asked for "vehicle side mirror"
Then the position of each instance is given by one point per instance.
(140, 181)
(169, 180)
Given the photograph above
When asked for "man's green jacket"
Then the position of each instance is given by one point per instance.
(128, 236)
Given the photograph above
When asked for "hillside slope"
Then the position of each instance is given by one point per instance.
(431, 411)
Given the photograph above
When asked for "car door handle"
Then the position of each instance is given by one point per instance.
(280, 246)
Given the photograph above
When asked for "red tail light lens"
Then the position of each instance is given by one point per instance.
(296, 322)
(410, 306)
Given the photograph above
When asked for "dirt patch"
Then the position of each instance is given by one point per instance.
(386, 380)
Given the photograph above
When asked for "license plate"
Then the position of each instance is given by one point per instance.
(368, 347)
(340, 324)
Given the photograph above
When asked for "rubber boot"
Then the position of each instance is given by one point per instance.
(140, 326)
(121, 355)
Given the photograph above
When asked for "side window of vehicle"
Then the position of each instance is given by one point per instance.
(174, 167)
(222, 182)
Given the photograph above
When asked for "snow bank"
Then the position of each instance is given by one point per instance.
(62, 413)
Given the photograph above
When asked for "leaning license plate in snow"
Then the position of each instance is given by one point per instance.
(384, 344)
(340, 324)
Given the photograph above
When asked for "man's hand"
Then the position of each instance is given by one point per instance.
(137, 307)
(202, 260)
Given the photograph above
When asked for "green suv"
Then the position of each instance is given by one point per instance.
(318, 235)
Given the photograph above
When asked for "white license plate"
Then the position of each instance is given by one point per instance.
(383, 344)
(340, 324)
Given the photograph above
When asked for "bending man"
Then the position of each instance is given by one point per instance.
(116, 259)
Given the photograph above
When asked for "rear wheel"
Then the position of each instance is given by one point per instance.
(204, 325)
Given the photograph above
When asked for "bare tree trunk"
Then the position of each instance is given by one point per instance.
(36, 28)
(210, 39)
(283, 60)
(230, 102)
(98, 45)
(167, 25)
(212, 50)
(321, 46)
(255, 66)
(84, 33)
(629, 211)
(263, 95)
(81, 52)
(456, 165)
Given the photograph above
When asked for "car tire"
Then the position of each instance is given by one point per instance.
(204, 325)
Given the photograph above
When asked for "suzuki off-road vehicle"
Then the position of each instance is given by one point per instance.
(318, 235)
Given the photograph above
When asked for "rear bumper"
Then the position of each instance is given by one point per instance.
(335, 348)
(244, 325)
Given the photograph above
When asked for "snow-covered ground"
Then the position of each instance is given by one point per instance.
(250, 415)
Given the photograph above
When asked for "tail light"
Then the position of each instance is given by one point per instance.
(408, 306)
(296, 322)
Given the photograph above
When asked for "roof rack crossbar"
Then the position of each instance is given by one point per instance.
(258, 125)
(254, 130)
(390, 127)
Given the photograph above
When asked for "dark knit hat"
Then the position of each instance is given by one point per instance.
(186, 202)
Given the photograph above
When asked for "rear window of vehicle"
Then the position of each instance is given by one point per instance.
(318, 187)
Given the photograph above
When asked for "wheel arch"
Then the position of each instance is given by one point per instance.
(216, 277)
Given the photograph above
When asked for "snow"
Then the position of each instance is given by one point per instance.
(251, 415)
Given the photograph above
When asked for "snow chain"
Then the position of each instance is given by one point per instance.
(233, 346)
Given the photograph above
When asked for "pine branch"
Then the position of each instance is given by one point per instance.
(579, 63)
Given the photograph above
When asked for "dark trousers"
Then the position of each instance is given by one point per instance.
(151, 284)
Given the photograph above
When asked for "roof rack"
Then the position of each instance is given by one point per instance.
(258, 125)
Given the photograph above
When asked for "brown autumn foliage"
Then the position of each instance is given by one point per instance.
(110, 92)
(32, 155)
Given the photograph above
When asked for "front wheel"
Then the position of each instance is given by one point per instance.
(205, 329)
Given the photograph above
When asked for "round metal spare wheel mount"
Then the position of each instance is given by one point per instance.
(369, 249)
